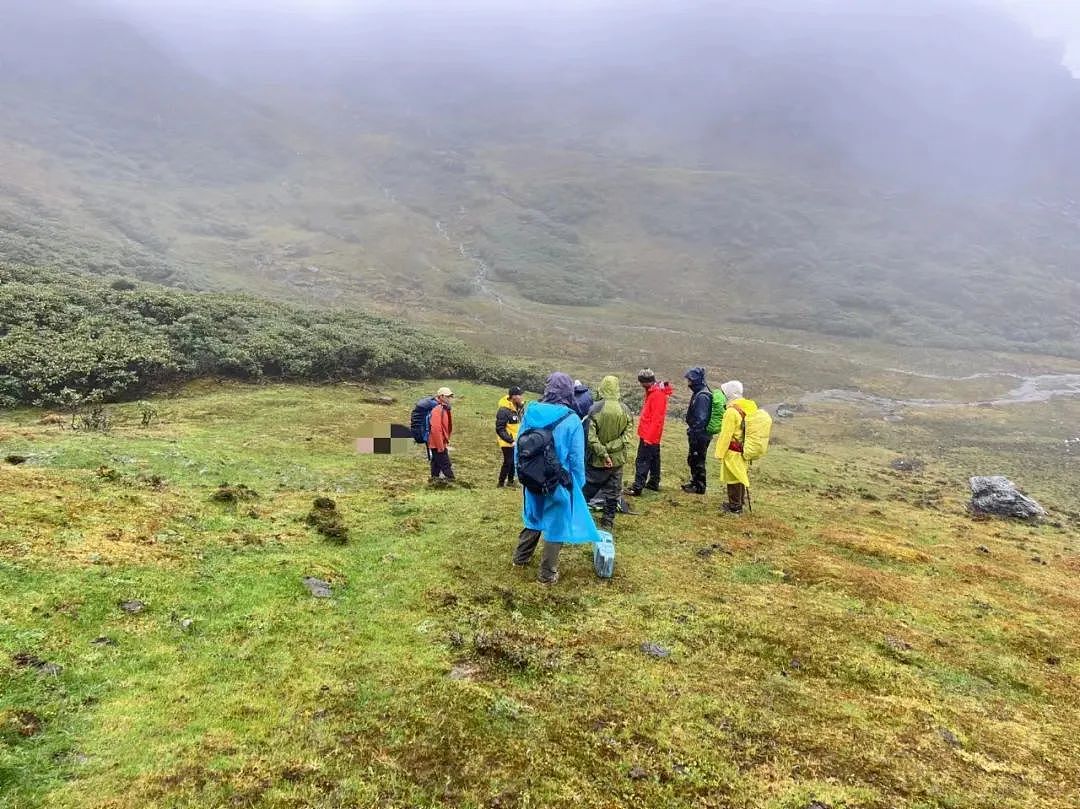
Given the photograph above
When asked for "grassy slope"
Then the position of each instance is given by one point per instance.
(826, 652)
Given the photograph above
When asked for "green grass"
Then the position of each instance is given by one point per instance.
(846, 643)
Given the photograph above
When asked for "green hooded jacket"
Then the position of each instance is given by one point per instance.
(610, 427)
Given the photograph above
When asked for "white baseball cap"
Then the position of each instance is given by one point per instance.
(444, 391)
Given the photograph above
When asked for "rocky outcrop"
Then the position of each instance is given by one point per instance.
(998, 496)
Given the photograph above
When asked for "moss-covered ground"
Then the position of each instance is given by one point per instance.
(858, 641)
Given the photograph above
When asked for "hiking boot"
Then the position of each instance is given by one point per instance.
(510, 484)
(653, 487)
(552, 580)
(728, 508)
(692, 488)
(633, 491)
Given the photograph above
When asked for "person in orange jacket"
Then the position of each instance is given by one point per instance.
(442, 425)
(650, 431)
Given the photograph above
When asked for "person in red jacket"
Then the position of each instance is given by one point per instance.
(650, 430)
(442, 425)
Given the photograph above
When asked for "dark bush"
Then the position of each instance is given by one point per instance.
(69, 340)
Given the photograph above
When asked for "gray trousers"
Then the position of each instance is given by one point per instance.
(608, 482)
(549, 558)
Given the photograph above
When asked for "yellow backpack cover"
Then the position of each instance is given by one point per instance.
(756, 431)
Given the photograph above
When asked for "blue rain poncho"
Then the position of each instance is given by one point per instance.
(562, 516)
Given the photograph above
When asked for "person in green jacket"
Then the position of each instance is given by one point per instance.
(607, 447)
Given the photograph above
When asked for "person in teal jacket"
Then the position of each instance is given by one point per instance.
(562, 517)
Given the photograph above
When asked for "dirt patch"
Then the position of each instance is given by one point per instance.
(228, 493)
(27, 660)
(326, 519)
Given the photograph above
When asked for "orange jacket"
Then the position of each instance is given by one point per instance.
(442, 425)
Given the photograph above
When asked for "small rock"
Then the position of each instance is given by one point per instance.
(906, 464)
(796, 663)
(16, 460)
(464, 671)
(132, 607)
(998, 496)
(456, 640)
(187, 624)
(317, 587)
(817, 805)
(1053, 660)
(1038, 560)
(785, 411)
(949, 737)
(378, 400)
(898, 644)
(985, 551)
(655, 650)
(103, 640)
(637, 774)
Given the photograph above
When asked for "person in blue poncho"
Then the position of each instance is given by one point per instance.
(562, 517)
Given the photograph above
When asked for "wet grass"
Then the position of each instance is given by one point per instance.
(858, 641)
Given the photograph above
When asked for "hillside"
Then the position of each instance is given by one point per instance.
(858, 641)
(72, 341)
(776, 173)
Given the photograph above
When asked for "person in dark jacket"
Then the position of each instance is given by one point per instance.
(650, 430)
(583, 399)
(697, 435)
(507, 423)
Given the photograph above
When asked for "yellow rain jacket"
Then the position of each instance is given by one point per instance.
(733, 466)
(508, 421)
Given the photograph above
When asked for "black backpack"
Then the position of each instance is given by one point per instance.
(538, 467)
(420, 420)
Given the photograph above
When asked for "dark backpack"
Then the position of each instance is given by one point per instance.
(716, 416)
(420, 420)
(538, 467)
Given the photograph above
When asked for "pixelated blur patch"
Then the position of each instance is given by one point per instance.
(384, 438)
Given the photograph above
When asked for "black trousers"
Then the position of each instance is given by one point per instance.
(647, 466)
(440, 464)
(607, 481)
(506, 474)
(696, 458)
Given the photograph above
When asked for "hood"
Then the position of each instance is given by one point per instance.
(580, 387)
(747, 406)
(559, 389)
(696, 377)
(505, 402)
(609, 388)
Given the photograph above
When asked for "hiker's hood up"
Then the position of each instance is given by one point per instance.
(609, 388)
(559, 389)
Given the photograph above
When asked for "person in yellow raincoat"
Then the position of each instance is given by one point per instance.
(733, 467)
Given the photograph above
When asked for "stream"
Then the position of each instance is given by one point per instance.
(1031, 389)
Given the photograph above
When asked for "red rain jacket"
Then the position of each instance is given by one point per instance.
(654, 413)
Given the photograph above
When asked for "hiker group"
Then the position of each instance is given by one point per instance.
(569, 449)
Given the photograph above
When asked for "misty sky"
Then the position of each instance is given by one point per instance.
(1052, 19)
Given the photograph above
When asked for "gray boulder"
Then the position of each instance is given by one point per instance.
(998, 496)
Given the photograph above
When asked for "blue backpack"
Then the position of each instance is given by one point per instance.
(420, 420)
